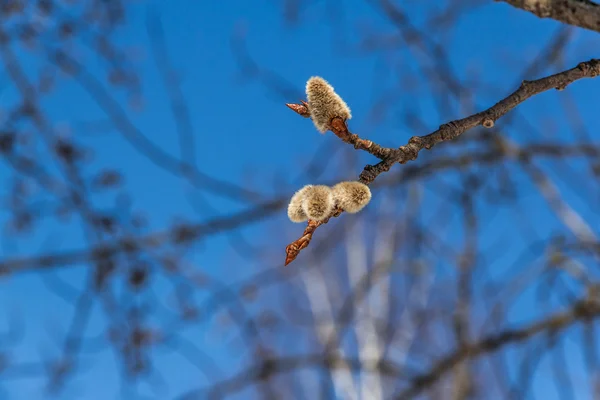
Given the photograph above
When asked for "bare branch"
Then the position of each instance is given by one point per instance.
(448, 131)
(581, 311)
(268, 368)
(582, 13)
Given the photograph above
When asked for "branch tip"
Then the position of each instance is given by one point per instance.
(300, 109)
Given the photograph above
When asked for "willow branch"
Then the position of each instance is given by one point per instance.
(446, 132)
(582, 13)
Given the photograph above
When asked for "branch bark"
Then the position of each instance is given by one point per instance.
(448, 131)
(582, 13)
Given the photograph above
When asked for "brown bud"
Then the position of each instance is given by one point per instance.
(488, 123)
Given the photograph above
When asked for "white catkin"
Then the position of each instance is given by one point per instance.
(351, 196)
(295, 211)
(324, 103)
(318, 202)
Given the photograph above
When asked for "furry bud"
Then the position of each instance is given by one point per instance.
(324, 104)
(318, 202)
(295, 211)
(351, 196)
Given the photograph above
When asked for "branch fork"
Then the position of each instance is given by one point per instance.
(448, 131)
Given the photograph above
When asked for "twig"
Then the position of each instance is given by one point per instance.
(583, 310)
(340, 129)
(293, 249)
(448, 131)
(270, 367)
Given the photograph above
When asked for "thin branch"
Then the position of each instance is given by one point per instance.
(340, 129)
(179, 107)
(136, 138)
(448, 131)
(178, 235)
(267, 368)
(580, 311)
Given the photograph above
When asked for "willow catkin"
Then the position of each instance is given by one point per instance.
(295, 211)
(324, 103)
(318, 202)
(351, 196)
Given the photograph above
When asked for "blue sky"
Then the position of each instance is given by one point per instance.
(245, 134)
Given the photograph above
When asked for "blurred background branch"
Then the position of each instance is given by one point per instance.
(147, 158)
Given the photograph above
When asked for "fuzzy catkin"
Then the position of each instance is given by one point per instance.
(324, 103)
(318, 202)
(351, 196)
(295, 211)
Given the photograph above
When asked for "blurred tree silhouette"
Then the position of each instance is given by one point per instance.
(471, 274)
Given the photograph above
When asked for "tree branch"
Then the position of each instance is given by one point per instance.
(266, 369)
(448, 131)
(581, 311)
(582, 13)
(178, 235)
(270, 367)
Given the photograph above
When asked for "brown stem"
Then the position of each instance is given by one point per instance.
(448, 131)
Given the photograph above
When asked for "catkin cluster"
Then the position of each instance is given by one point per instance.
(324, 103)
(318, 202)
